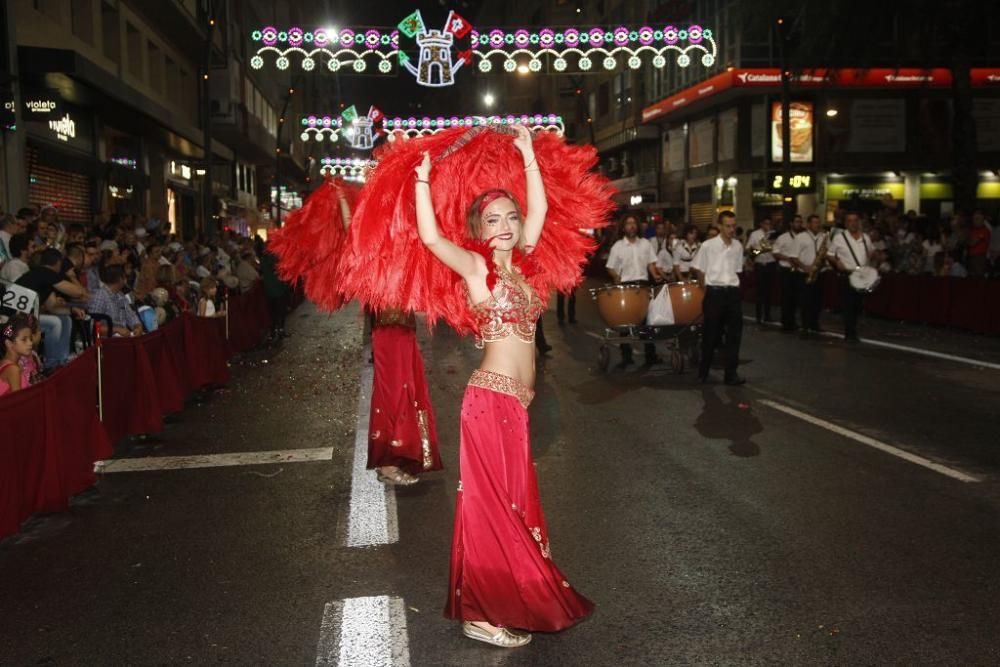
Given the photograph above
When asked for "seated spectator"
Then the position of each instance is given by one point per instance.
(15, 336)
(246, 271)
(206, 304)
(91, 276)
(8, 227)
(951, 267)
(54, 288)
(21, 248)
(109, 300)
(206, 264)
(146, 279)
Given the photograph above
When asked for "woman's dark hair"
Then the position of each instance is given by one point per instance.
(20, 321)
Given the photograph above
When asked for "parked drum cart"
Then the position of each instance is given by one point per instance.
(624, 309)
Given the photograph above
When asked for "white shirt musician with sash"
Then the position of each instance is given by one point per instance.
(849, 251)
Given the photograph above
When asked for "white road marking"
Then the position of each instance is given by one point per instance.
(871, 442)
(905, 348)
(372, 518)
(364, 632)
(214, 460)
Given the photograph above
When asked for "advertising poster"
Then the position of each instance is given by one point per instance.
(801, 121)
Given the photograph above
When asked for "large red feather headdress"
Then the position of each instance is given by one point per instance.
(386, 265)
(311, 241)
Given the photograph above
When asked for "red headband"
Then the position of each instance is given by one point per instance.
(491, 196)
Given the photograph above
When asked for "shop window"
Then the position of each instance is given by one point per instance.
(111, 35)
(173, 79)
(133, 42)
(82, 19)
(187, 93)
(603, 100)
(68, 191)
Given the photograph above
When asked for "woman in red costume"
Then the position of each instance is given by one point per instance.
(476, 261)
(402, 436)
(502, 575)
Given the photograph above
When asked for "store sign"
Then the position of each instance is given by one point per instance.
(796, 182)
(126, 162)
(870, 191)
(41, 108)
(180, 170)
(801, 129)
(64, 128)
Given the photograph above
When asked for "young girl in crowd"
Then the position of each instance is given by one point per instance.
(16, 338)
(31, 364)
(206, 304)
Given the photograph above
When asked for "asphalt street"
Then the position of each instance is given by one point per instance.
(843, 508)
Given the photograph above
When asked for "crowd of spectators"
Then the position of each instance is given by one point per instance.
(129, 273)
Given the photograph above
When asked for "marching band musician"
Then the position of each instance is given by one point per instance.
(791, 279)
(763, 268)
(718, 264)
(684, 251)
(812, 257)
(849, 251)
(632, 259)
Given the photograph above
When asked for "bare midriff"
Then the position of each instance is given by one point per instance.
(511, 357)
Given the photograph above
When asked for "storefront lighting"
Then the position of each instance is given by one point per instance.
(831, 113)
(719, 182)
(522, 69)
(731, 182)
(199, 172)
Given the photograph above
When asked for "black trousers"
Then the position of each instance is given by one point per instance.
(764, 280)
(278, 309)
(791, 281)
(723, 313)
(561, 308)
(853, 301)
(812, 303)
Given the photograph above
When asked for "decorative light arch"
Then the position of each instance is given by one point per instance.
(338, 48)
(349, 168)
(582, 48)
(332, 128)
(588, 45)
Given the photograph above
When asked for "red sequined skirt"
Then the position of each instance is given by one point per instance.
(401, 429)
(501, 562)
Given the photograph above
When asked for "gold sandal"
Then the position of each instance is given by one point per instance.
(503, 637)
(396, 478)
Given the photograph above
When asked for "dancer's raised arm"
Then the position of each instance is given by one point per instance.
(459, 260)
(538, 205)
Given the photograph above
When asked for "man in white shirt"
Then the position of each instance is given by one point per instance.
(718, 264)
(808, 245)
(632, 259)
(789, 273)
(17, 266)
(850, 250)
(8, 227)
(764, 268)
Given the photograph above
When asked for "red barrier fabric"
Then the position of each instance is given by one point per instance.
(972, 304)
(52, 434)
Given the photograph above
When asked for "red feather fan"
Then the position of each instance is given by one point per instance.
(386, 265)
(309, 244)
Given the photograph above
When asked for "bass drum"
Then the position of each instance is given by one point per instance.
(686, 299)
(622, 305)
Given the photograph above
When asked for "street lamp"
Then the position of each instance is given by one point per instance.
(831, 113)
(488, 99)
(522, 69)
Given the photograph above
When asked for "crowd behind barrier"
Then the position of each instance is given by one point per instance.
(970, 304)
(52, 432)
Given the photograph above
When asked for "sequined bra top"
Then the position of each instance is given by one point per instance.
(511, 310)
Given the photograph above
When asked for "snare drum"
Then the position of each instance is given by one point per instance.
(864, 279)
(622, 305)
(686, 299)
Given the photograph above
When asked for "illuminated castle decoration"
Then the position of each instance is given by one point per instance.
(435, 68)
(361, 131)
(360, 135)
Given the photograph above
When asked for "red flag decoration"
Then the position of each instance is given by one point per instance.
(457, 25)
(375, 114)
(466, 56)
